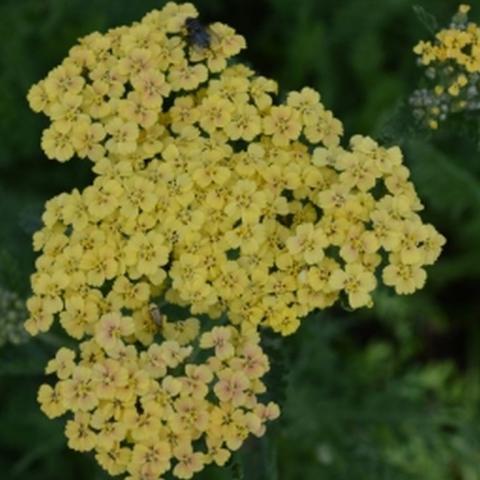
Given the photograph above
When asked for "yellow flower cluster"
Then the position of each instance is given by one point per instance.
(213, 199)
(452, 64)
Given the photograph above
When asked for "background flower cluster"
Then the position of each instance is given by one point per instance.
(452, 68)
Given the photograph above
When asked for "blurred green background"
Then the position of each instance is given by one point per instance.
(390, 393)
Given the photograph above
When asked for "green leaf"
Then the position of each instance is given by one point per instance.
(443, 182)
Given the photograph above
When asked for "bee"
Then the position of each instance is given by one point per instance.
(198, 34)
(158, 318)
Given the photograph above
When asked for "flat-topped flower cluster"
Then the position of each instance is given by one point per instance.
(211, 196)
(452, 63)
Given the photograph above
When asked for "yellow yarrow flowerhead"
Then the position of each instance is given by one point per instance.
(452, 69)
(215, 213)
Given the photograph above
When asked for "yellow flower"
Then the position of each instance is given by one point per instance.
(151, 87)
(309, 242)
(185, 77)
(196, 381)
(216, 453)
(305, 102)
(110, 330)
(231, 387)
(357, 171)
(140, 193)
(87, 138)
(218, 337)
(128, 294)
(183, 332)
(99, 265)
(145, 426)
(214, 112)
(79, 316)
(50, 287)
(107, 377)
(62, 80)
(40, 316)
(146, 254)
(102, 198)
(134, 108)
(79, 392)
(113, 459)
(325, 128)
(407, 241)
(95, 104)
(63, 364)
(173, 354)
(405, 278)
(123, 136)
(260, 91)
(189, 462)
(231, 279)
(432, 244)
(253, 362)
(56, 143)
(246, 203)
(183, 113)
(283, 124)
(136, 62)
(357, 283)
(152, 456)
(244, 123)
(334, 198)
(38, 98)
(358, 244)
(318, 276)
(154, 362)
(110, 434)
(67, 112)
(282, 319)
(211, 173)
(51, 401)
(80, 436)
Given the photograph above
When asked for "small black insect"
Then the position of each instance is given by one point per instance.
(197, 33)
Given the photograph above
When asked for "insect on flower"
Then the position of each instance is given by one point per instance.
(198, 35)
(156, 315)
